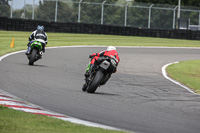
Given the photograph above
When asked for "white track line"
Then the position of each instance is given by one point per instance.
(4, 56)
(19, 104)
(174, 81)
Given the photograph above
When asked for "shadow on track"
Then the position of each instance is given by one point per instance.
(35, 65)
(108, 94)
(38, 65)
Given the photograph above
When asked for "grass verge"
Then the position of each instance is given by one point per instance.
(13, 121)
(66, 39)
(187, 73)
(17, 121)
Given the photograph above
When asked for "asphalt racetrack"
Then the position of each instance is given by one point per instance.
(137, 98)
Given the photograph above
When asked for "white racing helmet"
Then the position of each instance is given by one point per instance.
(109, 48)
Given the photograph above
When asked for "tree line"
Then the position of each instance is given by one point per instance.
(173, 2)
(113, 15)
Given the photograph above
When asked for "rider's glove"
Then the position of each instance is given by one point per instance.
(90, 56)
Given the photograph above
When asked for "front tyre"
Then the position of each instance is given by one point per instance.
(32, 57)
(96, 82)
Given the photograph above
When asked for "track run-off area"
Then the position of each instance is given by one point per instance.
(137, 98)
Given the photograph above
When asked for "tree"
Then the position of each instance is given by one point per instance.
(172, 2)
(4, 8)
(91, 12)
(46, 11)
(4, 2)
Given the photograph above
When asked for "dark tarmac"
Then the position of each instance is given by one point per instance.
(137, 98)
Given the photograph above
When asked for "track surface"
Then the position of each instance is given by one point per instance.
(137, 98)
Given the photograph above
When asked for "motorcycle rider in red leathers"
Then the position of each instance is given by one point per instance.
(110, 52)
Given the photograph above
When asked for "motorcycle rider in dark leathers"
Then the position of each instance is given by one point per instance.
(39, 35)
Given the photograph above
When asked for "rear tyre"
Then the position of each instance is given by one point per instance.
(32, 57)
(96, 82)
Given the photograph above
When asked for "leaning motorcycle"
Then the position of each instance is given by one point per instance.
(36, 47)
(101, 72)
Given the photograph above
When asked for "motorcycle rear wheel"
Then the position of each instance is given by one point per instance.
(32, 57)
(96, 82)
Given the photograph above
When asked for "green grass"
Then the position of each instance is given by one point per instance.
(12, 121)
(20, 122)
(65, 39)
(186, 72)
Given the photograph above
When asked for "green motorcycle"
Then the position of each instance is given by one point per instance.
(35, 52)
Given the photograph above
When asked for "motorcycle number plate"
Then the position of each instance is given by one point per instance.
(105, 64)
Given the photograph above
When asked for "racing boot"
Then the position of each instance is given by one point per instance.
(84, 87)
(43, 48)
(87, 75)
(28, 50)
(40, 54)
(89, 71)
